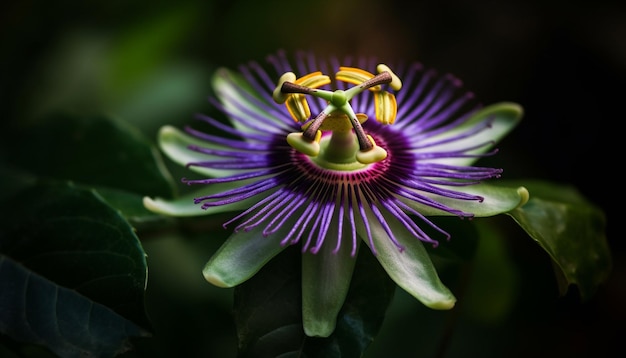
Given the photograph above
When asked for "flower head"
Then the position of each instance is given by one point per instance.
(327, 154)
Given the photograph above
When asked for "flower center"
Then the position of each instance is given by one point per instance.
(348, 146)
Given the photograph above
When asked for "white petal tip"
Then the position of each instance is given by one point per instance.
(168, 129)
(442, 305)
(150, 204)
(318, 328)
(524, 196)
(214, 279)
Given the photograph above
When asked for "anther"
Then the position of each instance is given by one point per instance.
(304, 145)
(395, 83)
(278, 95)
(374, 155)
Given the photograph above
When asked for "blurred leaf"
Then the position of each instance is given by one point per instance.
(147, 44)
(98, 152)
(493, 278)
(37, 310)
(72, 272)
(167, 96)
(129, 204)
(571, 230)
(268, 311)
(13, 180)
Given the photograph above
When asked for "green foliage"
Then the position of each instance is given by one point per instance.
(95, 152)
(72, 273)
(70, 257)
(571, 230)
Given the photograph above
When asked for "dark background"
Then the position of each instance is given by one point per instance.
(564, 61)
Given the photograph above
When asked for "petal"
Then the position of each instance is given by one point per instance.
(174, 143)
(497, 199)
(504, 116)
(241, 101)
(325, 281)
(185, 205)
(411, 268)
(242, 255)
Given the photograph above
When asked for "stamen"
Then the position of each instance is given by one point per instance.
(278, 95)
(373, 155)
(379, 79)
(312, 130)
(289, 87)
(291, 92)
(303, 145)
(395, 83)
(386, 107)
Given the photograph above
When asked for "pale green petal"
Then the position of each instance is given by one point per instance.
(228, 86)
(185, 206)
(242, 255)
(325, 281)
(505, 115)
(498, 199)
(174, 143)
(411, 269)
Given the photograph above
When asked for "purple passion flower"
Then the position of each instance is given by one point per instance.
(328, 154)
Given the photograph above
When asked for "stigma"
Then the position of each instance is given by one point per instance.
(338, 117)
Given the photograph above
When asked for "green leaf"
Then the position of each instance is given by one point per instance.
(97, 152)
(571, 230)
(129, 204)
(37, 310)
(269, 317)
(493, 277)
(72, 270)
(268, 312)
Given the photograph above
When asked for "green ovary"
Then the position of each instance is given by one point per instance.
(338, 152)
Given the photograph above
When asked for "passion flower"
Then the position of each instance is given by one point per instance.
(327, 163)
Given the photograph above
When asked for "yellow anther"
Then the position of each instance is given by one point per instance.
(313, 80)
(355, 76)
(396, 84)
(298, 107)
(296, 103)
(386, 107)
(277, 95)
